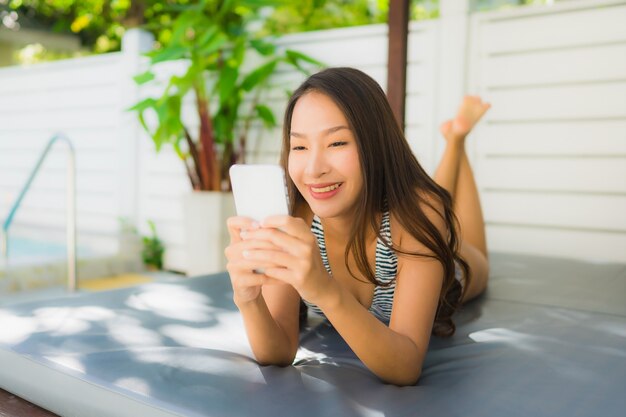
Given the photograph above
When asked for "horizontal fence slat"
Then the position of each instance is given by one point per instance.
(162, 207)
(72, 97)
(419, 108)
(573, 244)
(57, 160)
(586, 64)
(601, 175)
(559, 103)
(604, 137)
(599, 212)
(90, 181)
(101, 204)
(554, 30)
(95, 118)
(60, 75)
(34, 142)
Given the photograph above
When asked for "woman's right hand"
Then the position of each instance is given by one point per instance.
(246, 283)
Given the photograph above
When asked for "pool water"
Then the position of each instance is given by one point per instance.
(24, 251)
(34, 264)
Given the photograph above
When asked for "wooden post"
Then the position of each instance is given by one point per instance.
(396, 61)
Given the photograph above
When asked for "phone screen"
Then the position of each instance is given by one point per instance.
(260, 191)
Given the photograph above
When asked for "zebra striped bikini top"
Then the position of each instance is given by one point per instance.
(386, 268)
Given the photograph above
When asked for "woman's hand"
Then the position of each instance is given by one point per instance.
(245, 281)
(470, 112)
(293, 249)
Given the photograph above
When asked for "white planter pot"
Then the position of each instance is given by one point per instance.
(205, 230)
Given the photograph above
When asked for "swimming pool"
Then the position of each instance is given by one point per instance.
(35, 264)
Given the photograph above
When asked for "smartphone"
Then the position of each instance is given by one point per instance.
(260, 191)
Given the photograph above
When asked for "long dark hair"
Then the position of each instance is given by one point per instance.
(392, 180)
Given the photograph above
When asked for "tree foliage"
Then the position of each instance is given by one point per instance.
(100, 24)
(308, 15)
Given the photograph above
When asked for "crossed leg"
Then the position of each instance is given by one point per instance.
(454, 173)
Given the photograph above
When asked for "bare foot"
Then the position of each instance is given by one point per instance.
(470, 112)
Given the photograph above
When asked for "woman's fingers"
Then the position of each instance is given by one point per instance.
(286, 232)
(253, 279)
(279, 274)
(242, 274)
(251, 264)
(281, 240)
(234, 250)
(293, 226)
(237, 224)
(270, 258)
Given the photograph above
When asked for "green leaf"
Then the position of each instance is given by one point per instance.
(143, 105)
(158, 137)
(170, 127)
(298, 56)
(213, 45)
(220, 124)
(227, 81)
(168, 54)
(142, 120)
(181, 7)
(266, 115)
(224, 9)
(263, 48)
(183, 84)
(207, 36)
(239, 52)
(258, 75)
(143, 78)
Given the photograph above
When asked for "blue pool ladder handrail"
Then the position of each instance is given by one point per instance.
(72, 281)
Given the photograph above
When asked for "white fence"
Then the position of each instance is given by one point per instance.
(80, 97)
(550, 158)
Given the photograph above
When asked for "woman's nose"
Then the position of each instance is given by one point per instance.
(317, 164)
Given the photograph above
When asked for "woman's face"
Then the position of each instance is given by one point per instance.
(323, 156)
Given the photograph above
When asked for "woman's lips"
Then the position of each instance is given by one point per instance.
(324, 191)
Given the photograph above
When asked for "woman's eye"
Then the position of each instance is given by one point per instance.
(297, 148)
(335, 144)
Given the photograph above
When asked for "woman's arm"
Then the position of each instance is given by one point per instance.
(271, 323)
(394, 353)
(269, 307)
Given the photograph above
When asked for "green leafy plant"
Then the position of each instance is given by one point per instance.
(214, 37)
(153, 249)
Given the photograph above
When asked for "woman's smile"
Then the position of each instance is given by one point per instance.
(324, 191)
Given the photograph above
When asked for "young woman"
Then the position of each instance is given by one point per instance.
(373, 244)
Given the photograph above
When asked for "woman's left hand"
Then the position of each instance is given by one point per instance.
(298, 256)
